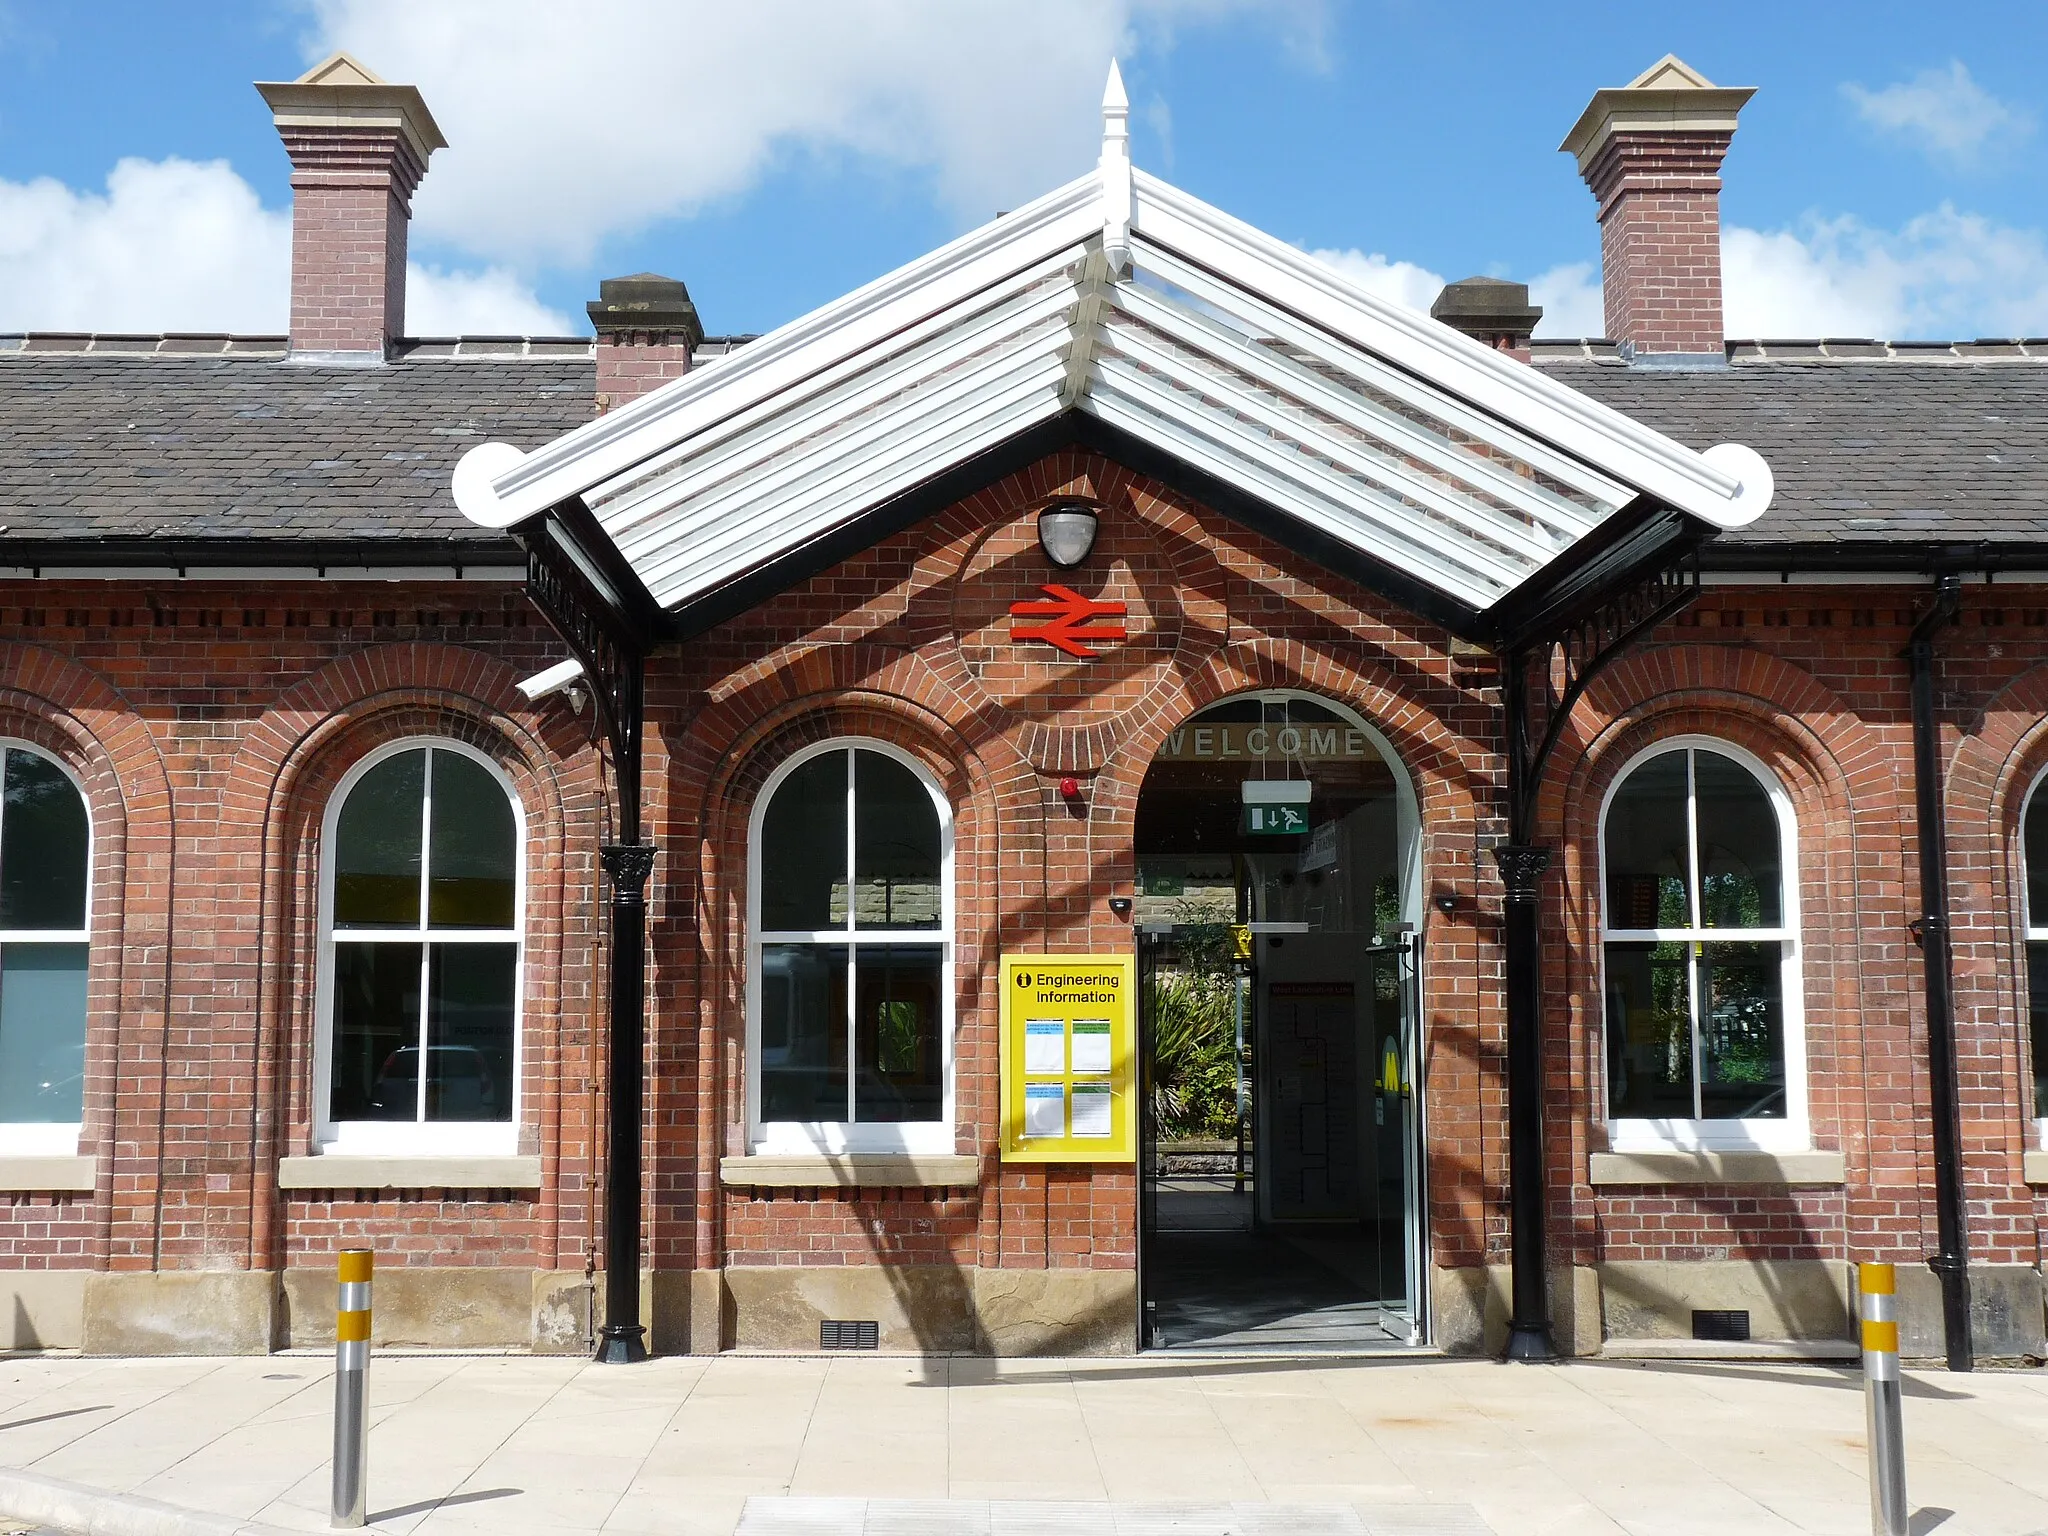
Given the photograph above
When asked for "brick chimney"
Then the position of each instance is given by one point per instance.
(1651, 151)
(358, 149)
(1491, 310)
(646, 330)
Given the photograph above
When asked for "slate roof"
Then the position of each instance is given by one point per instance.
(132, 439)
(1867, 452)
(100, 446)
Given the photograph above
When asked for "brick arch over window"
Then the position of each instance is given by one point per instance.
(1849, 808)
(276, 794)
(77, 716)
(991, 792)
(1989, 778)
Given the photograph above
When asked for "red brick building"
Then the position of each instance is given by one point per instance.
(1608, 986)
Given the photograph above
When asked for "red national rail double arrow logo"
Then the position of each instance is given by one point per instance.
(1072, 628)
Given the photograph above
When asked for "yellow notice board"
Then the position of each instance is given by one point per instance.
(1070, 1059)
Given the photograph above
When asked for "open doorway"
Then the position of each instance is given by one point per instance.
(1280, 1170)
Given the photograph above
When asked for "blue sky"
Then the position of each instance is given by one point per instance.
(1888, 178)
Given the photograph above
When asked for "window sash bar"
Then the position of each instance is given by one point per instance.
(419, 1113)
(417, 935)
(852, 902)
(1697, 935)
(894, 936)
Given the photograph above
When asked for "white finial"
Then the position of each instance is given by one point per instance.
(1116, 173)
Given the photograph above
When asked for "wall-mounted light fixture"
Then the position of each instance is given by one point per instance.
(1066, 532)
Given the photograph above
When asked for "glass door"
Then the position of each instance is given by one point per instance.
(1150, 941)
(1395, 1199)
(1280, 1188)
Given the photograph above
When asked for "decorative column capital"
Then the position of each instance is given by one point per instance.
(1521, 869)
(627, 866)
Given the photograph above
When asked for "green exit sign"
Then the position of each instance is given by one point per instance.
(1276, 807)
(1275, 820)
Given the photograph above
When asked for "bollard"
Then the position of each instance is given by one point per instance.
(351, 1389)
(1882, 1391)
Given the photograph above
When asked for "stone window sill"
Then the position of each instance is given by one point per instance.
(2034, 1167)
(851, 1170)
(348, 1171)
(1782, 1168)
(48, 1175)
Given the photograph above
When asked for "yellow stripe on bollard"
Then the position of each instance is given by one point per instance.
(353, 1270)
(1882, 1391)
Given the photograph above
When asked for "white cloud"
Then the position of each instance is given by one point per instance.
(1944, 113)
(1570, 298)
(1569, 294)
(493, 302)
(1401, 282)
(177, 245)
(1943, 275)
(570, 123)
(170, 245)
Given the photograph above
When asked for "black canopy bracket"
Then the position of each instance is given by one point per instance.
(604, 619)
(1547, 665)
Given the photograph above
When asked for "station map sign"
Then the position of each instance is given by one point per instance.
(1069, 1071)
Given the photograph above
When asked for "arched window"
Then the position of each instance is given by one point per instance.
(423, 920)
(45, 864)
(849, 998)
(1701, 945)
(2034, 838)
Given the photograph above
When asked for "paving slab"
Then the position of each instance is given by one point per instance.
(1252, 1446)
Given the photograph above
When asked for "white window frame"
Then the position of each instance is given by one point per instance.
(452, 1138)
(21, 1138)
(801, 1138)
(2033, 930)
(1793, 1132)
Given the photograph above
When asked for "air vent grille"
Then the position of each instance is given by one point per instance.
(834, 1333)
(1721, 1327)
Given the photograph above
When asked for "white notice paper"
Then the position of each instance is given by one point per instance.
(1092, 1112)
(1045, 1047)
(1045, 1109)
(1091, 1047)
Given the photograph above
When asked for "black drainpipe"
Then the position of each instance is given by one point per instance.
(1951, 1263)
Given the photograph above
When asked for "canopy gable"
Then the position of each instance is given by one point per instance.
(1162, 329)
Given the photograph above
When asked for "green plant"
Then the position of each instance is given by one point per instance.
(1194, 1036)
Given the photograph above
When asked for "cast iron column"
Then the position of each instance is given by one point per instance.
(1951, 1264)
(1521, 870)
(627, 866)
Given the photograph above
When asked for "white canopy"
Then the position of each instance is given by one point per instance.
(1127, 301)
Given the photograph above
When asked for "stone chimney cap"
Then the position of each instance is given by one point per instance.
(341, 92)
(1668, 97)
(1486, 306)
(645, 301)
